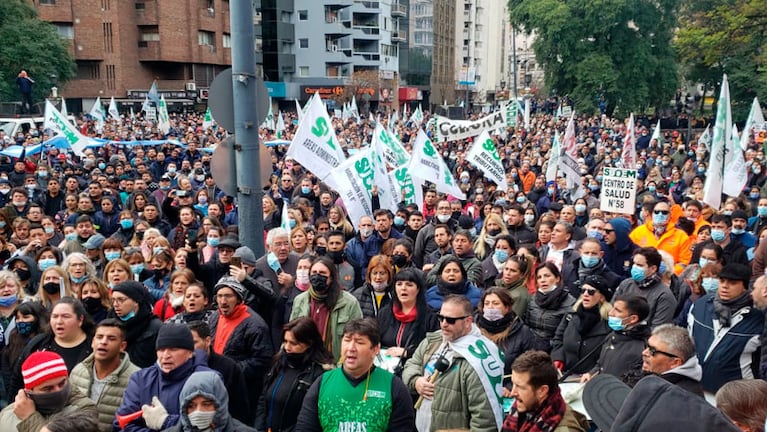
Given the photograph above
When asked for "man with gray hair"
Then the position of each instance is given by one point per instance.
(670, 353)
(279, 264)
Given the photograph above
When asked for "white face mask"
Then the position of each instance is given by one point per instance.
(302, 276)
(443, 218)
(201, 419)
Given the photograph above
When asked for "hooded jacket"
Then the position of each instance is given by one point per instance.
(78, 402)
(687, 376)
(34, 280)
(618, 255)
(208, 385)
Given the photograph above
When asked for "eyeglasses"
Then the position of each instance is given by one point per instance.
(451, 320)
(654, 351)
(661, 212)
(609, 231)
(590, 291)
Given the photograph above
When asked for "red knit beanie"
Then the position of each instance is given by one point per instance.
(42, 366)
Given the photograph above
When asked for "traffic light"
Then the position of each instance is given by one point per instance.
(689, 102)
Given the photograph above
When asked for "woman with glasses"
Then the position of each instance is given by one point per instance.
(549, 305)
(579, 337)
(131, 305)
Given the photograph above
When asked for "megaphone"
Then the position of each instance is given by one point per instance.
(123, 420)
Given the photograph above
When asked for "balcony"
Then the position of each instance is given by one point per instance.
(398, 36)
(371, 5)
(398, 10)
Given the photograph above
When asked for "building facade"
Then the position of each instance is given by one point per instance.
(121, 47)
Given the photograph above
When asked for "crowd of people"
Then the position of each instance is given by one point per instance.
(127, 298)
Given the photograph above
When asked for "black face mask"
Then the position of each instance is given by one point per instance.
(321, 250)
(159, 273)
(399, 260)
(336, 256)
(92, 304)
(49, 403)
(455, 215)
(294, 359)
(51, 287)
(494, 232)
(319, 283)
(23, 274)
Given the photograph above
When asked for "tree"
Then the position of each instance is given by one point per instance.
(362, 85)
(616, 49)
(725, 36)
(33, 45)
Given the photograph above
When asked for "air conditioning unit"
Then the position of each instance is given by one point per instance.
(190, 86)
(204, 93)
(334, 48)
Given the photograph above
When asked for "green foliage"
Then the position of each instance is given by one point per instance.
(617, 49)
(33, 45)
(725, 36)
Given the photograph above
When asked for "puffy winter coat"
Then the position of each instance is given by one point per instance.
(544, 322)
(570, 346)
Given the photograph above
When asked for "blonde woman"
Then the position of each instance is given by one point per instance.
(78, 268)
(54, 285)
(579, 337)
(492, 228)
(11, 294)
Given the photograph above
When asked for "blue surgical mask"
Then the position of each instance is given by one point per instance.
(399, 220)
(127, 317)
(710, 284)
(580, 208)
(501, 255)
(305, 190)
(637, 273)
(71, 236)
(595, 234)
(45, 263)
(738, 231)
(521, 199)
(589, 261)
(137, 268)
(551, 191)
(702, 262)
(126, 223)
(717, 235)
(102, 166)
(659, 219)
(49, 230)
(292, 223)
(3, 223)
(25, 328)
(8, 300)
(156, 250)
(113, 255)
(761, 211)
(651, 189)
(213, 241)
(615, 323)
(77, 280)
(754, 195)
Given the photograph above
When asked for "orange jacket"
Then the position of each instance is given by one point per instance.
(674, 241)
(528, 180)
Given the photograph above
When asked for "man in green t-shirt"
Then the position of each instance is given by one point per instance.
(358, 396)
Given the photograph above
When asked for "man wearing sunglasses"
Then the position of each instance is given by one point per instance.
(670, 353)
(462, 394)
(659, 232)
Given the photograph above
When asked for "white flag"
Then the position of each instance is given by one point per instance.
(527, 114)
(113, 112)
(735, 172)
(146, 105)
(569, 146)
(390, 148)
(408, 189)
(280, 128)
(389, 194)
(629, 153)
(427, 164)
(417, 116)
(132, 114)
(712, 190)
(353, 180)
(315, 145)
(299, 110)
(705, 139)
(207, 121)
(163, 119)
(269, 120)
(64, 112)
(285, 217)
(484, 155)
(754, 122)
(59, 124)
(556, 149)
(656, 134)
(97, 112)
(354, 110)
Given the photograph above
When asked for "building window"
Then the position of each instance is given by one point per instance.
(149, 33)
(140, 6)
(227, 43)
(303, 43)
(303, 15)
(47, 2)
(66, 31)
(303, 71)
(206, 38)
(108, 38)
(111, 77)
(88, 70)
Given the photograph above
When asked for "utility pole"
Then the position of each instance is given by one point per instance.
(246, 119)
(514, 59)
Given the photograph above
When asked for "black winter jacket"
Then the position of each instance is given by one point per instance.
(570, 346)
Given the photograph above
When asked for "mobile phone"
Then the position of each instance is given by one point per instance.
(191, 235)
(236, 261)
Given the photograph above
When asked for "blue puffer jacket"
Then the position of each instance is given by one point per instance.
(725, 353)
(152, 381)
(434, 297)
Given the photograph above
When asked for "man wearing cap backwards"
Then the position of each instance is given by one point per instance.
(538, 404)
(358, 396)
(670, 353)
(46, 392)
(726, 327)
(240, 334)
(156, 389)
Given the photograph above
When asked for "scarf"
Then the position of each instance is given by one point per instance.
(497, 326)
(648, 282)
(659, 230)
(226, 326)
(447, 288)
(725, 308)
(545, 419)
(589, 318)
(552, 299)
(404, 317)
(498, 265)
(317, 296)
(584, 272)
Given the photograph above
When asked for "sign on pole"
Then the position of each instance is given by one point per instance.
(618, 191)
